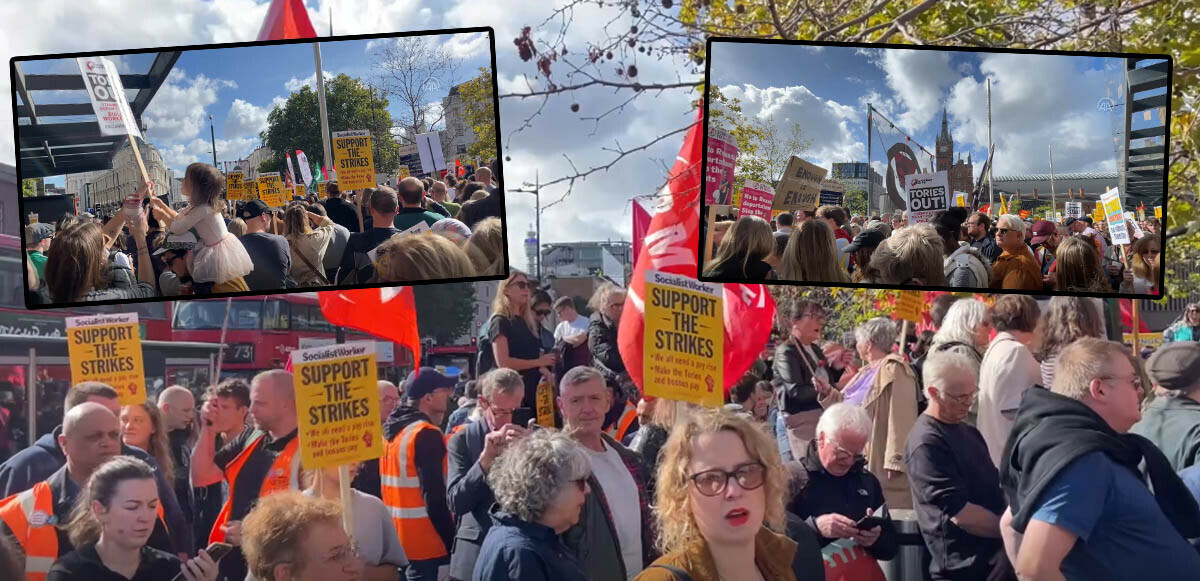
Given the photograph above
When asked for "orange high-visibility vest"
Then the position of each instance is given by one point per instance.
(283, 475)
(402, 494)
(30, 516)
(621, 429)
(454, 430)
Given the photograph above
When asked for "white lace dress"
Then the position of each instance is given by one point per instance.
(221, 256)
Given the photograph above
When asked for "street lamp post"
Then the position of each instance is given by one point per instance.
(537, 186)
(213, 134)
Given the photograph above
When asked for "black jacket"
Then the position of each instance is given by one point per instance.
(356, 267)
(755, 270)
(470, 498)
(1051, 431)
(516, 549)
(850, 495)
(987, 247)
(798, 393)
(430, 452)
(343, 213)
(648, 441)
(602, 342)
(475, 211)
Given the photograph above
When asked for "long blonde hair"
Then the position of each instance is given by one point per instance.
(424, 256)
(1141, 268)
(486, 247)
(676, 524)
(748, 239)
(501, 306)
(811, 255)
(1077, 267)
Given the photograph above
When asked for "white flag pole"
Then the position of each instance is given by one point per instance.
(321, 103)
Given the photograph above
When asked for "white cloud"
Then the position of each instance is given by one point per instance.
(245, 118)
(177, 156)
(919, 79)
(310, 81)
(371, 16)
(467, 45)
(178, 110)
(825, 122)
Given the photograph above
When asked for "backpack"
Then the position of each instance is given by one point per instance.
(485, 360)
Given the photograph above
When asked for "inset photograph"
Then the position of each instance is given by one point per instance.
(259, 168)
(935, 168)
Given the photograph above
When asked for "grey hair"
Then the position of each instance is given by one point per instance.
(1014, 223)
(501, 379)
(960, 322)
(880, 331)
(941, 365)
(844, 417)
(1082, 361)
(530, 475)
(579, 375)
(912, 252)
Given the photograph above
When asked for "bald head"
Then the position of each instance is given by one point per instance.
(90, 435)
(178, 407)
(389, 398)
(273, 402)
(484, 174)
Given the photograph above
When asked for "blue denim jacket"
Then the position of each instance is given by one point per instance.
(516, 549)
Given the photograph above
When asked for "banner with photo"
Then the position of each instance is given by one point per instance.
(901, 155)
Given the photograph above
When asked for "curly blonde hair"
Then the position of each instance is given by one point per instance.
(424, 256)
(274, 529)
(676, 524)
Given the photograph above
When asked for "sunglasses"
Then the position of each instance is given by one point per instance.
(1003, 231)
(542, 312)
(520, 284)
(713, 482)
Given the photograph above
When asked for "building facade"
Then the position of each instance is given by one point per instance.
(256, 157)
(611, 260)
(960, 174)
(457, 137)
(109, 188)
(856, 176)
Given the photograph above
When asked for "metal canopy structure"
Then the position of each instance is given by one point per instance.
(1143, 166)
(48, 143)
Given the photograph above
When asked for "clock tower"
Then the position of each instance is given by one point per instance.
(945, 146)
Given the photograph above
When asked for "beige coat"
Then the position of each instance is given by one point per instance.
(892, 405)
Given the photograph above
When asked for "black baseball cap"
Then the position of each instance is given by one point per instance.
(1070, 221)
(254, 209)
(869, 238)
(424, 381)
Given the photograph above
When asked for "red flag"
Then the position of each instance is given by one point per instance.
(670, 246)
(641, 225)
(388, 313)
(1127, 318)
(984, 208)
(286, 19)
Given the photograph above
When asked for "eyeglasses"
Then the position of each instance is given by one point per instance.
(713, 482)
(1135, 380)
(961, 399)
(343, 554)
(841, 453)
(616, 305)
(520, 284)
(1003, 231)
(542, 312)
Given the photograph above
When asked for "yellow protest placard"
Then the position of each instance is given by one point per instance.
(684, 339)
(545, 404)
(1153, 340)
(108, 349)
(337, 401)
(235, 189)
(301, 190)
(1141, 215)
(402, 173)
(910, 306)
(270, 190)
(353, 160)
(960, 199)
(1158, 212)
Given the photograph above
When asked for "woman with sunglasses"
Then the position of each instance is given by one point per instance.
(1146, 260)
(1186, 328)
(512, 331)
(840, 491)
(720, 497)
(540, 483)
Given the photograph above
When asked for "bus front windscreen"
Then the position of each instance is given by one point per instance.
(204, 315)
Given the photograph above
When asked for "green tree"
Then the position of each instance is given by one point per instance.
(856, 202)
(764, 147)
(29, 187)
(479, 115)
(349, 103)
(444, 311)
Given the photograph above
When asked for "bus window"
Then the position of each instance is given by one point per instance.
(309, 318)
(12, 284)
(277, 315)
(197, 315)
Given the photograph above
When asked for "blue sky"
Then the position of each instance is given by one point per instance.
(1037, 100)
(240, 86)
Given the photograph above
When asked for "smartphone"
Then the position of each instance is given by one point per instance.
(868, 522)
(522, 416)
(214, 550)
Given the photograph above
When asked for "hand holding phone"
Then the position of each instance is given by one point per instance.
(522, 417)
(868, 522)
(204, 566)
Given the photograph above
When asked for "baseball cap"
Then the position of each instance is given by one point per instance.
(425, 381)
(40, 231)
(185, 241)
(1070, 221)
(1042, 231)
(254, 209)
(1175, 366)
(869, 238)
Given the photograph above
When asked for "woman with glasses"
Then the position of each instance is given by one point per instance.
(1187, 328)
(1147, 257)
(292, 537)
(1015, 268)
(512, 331)
(886, 388)
(720, 499)
(806, 378)
(378, 543)
(540, 483)
(840, 491)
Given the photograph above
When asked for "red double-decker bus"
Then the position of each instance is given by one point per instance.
(262, 331)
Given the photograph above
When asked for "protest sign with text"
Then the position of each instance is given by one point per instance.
(960, 199)
(429, 150)
(833, 193)
(301, 190)
(910, 307)
(337, 401)
(800, 187)
(757, 199)
(235, 189)
(684, 339)
(401, 173)
(719, 161)
(926, 194)
(353, 159)
(302, 161)
(270, 189)
(1158, 212)
(1074, 209)
(1110, 201)
(108, 349)
(104, 87)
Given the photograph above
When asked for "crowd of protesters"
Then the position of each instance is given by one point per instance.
(1025, 444)
(414, 231)
(957, 248)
